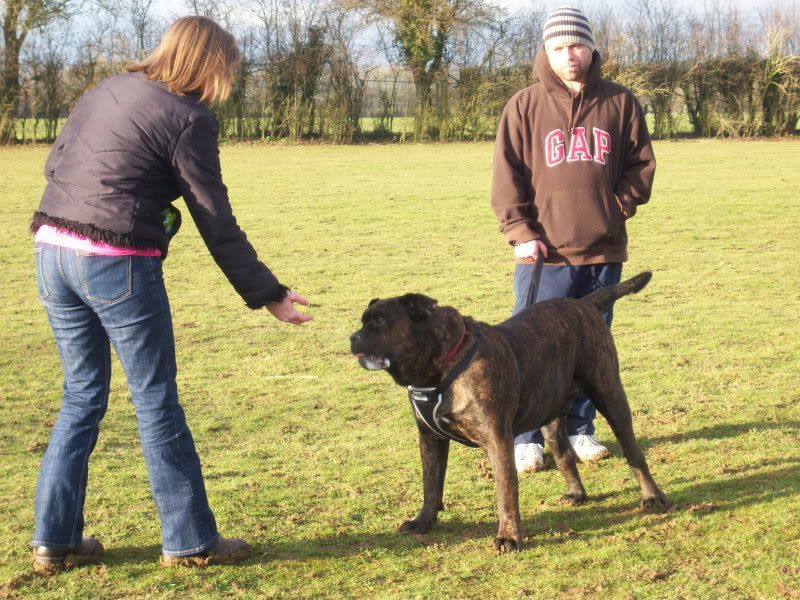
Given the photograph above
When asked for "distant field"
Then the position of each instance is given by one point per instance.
(315, 461)
(30, 130)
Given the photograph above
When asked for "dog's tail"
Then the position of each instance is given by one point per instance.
(604, 298)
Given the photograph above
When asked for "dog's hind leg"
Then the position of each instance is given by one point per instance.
(433, 452)
(555, 434)
(610, 399)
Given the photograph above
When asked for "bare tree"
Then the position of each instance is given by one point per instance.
(221, 11)
(317, 67)
(391, 85)
(699, 81)
(138, 13)
(780, 90)
(654, 36)
(99, 48)
(607, 27)
(780, 86)
(294, 50)
(525, 33)
(472, 92)
(784, 17)
(422, 30)
(345, 78)
(48, 61)
(272, 14)
(718, 76)
(19, 18)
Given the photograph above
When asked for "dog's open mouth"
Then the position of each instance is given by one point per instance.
(373, 363)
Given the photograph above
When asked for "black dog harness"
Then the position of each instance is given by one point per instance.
(425, 402)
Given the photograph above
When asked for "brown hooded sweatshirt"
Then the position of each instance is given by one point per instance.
(570, 169)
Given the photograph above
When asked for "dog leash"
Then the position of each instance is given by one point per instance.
(533, 289)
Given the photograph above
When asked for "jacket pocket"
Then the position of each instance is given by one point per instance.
(104, 279)
(53, 159)
(56, 152)
(580, 219)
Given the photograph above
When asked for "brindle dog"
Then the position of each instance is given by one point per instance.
(524, 375)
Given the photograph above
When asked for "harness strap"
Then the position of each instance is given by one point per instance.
(425, 402)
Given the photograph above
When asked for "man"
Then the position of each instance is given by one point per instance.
(572, 162)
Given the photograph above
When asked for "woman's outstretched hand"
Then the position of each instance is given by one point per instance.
(285, 310)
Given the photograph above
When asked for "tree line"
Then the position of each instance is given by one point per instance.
(441, 70)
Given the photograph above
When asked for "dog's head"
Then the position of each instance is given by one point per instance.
(406, 336)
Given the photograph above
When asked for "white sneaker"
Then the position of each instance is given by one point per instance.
(588, 448)
(528, 456)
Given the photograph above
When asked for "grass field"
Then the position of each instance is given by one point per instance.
(315, 461)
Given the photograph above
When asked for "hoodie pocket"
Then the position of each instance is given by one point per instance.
(581, 219)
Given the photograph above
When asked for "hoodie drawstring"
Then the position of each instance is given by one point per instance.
(573, 117)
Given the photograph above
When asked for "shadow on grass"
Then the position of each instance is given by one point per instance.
(138, 559)
(546, 527)
(552, 526)
(720, 431)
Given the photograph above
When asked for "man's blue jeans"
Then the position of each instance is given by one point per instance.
(90, 301)
(568, 282)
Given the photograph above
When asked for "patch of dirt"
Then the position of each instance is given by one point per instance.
(701, 507)
(35, 447)
(9, 587)
(484, 470)
(784, 591)
(653, 575)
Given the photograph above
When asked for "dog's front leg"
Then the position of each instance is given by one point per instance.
(500, 451)
(434, 466)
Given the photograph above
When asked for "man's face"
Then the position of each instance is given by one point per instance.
(570, 62)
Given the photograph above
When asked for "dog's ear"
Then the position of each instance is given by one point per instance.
(418, 306)
(373, 301)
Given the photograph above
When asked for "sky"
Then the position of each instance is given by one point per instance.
(166, 10)
(749, 8)
(168, 7)
(620, 4)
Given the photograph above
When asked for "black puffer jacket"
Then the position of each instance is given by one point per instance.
(129, 148)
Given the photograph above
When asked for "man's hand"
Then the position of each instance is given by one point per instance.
(530, 250)
(285, 310)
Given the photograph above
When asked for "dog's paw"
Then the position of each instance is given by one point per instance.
(502, 544)
(572, 499)
(656, 504)
(418, 524)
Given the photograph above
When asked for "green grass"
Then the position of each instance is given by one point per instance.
(29, 129)
(400, 125)
(315, 461)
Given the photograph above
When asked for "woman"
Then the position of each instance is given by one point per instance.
(131, 146)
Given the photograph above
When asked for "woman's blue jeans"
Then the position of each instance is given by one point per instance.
(94, 301)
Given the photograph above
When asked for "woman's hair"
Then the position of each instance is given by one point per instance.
(195, 56)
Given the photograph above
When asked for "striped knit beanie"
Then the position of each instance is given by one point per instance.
(566, 25)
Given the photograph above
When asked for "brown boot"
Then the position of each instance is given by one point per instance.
(50, 560)
(221, 551)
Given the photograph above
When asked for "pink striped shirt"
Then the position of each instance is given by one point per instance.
(67, 239)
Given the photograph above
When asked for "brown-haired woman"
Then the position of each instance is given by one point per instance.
(129, 148)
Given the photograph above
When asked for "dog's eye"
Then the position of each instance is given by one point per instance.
(379, 320)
